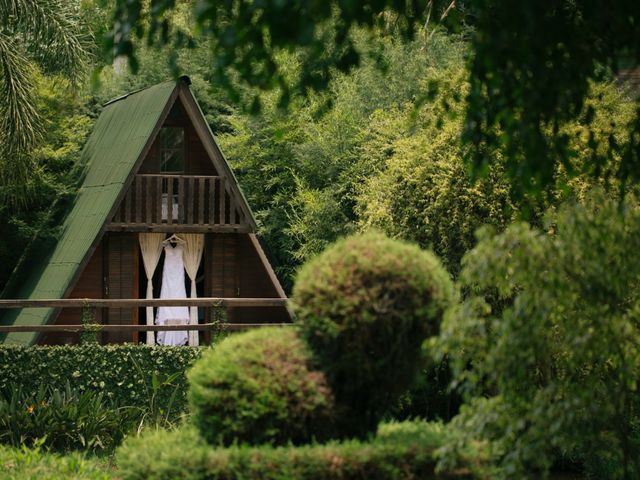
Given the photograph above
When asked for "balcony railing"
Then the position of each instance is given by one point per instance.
(159, 199)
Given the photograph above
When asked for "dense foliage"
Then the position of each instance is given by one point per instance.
(531, 75)
(530, 71)
(260, 387)
(329, 171)
(387, 154)
(29, 231)
(365, 306)
(126, 375)
(404, 450)
(421, 191)
(63, 420)
(321, 35)
(431, 396)
(547, 341)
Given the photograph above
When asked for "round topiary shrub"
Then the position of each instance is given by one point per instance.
(260, 387)
(365, 307)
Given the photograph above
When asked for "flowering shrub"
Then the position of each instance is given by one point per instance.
(122, 373)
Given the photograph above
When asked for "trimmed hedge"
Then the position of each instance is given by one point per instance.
(122, 372)
(404, 450)
(365, 306)
(260, 387)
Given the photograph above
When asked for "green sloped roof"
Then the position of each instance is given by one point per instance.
(117, 140)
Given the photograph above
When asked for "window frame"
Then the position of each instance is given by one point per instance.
(181, 149)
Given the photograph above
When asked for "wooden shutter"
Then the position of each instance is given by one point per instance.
(122, 282)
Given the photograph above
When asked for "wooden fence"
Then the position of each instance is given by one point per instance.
(90, 304)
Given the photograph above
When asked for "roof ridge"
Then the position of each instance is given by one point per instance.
(182, 78)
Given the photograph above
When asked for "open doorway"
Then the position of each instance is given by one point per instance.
(157, 286)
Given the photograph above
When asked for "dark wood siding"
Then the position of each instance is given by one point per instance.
(89, 286)
(197, 162)
(121, 272)
(254, 281)
(221, 255)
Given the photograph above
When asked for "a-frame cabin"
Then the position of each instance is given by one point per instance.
(152, 166)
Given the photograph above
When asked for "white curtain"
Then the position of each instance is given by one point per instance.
(192, 254)
(151, 247)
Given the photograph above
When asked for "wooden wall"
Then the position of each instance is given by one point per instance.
(121, 276)
(112, 272)
(89, 286)
(221, 251)
(237, 271)
(197, 161)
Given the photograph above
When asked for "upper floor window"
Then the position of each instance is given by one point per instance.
(171, 149)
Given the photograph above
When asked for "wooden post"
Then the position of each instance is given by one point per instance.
(181, 199)
(159, 199)
(191, 201)
(212, 200)
(149, 197)
(89, 326)
(170, 200)
(201, 200)
(137, 182)
(222, 199)
(127, 207)
(232, 210)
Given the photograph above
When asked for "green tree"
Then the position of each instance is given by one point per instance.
(530, 68)
(365, 306)
(421, 190)
(531, 74)
(546, 344)
(248, 37)
(387, 154)
(304, 169)
(36, 35)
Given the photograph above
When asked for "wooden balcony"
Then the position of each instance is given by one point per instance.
(167, 203)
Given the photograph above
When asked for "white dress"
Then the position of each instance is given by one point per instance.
(173, 287)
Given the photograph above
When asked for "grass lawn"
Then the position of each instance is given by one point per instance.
(25, 464)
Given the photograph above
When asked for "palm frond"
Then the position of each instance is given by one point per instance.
(54, 37)
(44, 34)
(19, 119)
